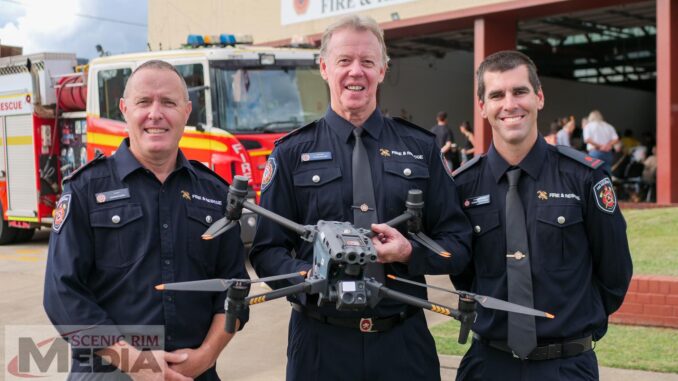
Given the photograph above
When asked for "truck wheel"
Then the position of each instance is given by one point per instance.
(24, 235)
(7, 233)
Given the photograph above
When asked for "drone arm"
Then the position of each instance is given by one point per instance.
(385, 292)
(279, 293)
(394, 222)
(289, 224)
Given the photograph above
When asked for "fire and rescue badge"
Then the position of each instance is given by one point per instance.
(603, 192)
(269, 173)
(61, 212)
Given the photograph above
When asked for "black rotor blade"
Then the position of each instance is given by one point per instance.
(430, 244)
(485, 301)
(279, 277)
(498, 304)
(210, 285)
(218, 228)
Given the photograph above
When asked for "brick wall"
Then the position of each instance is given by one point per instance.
(651, 300)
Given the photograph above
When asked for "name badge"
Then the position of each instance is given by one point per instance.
(316, 156)
(477, 201)
(117, 194)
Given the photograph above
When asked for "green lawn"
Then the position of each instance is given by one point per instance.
(653, 239)
(642, 348)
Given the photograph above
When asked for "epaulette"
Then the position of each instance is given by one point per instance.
(100, 156)
(410, 124)
(580, 157)
(202, 167)
(294, 132)
(467, 165)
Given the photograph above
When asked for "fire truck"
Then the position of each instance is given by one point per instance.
(55, 117)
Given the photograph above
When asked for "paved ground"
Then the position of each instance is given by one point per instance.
(258, 353)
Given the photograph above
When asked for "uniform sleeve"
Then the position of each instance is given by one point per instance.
(68, 300)
(273, 243)
(231, 265)
(606, 227)
(443, 221)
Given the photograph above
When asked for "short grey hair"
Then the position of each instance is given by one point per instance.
(359, 23)
(596, 116)
(158, 65)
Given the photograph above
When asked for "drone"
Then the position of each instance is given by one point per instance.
(341, 253)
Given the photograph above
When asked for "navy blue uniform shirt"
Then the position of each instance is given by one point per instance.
(310, 179)
(124, 233)
(581, 265)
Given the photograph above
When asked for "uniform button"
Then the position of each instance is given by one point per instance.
(407, 171)
(561, 220)
(315, 179)
(208, 219)
(115, 219)
(165, 226)
(168, 261)
(477, 229)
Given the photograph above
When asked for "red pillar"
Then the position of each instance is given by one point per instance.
(667, 102)
(490, 35)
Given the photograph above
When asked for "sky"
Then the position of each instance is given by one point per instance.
(74, 26)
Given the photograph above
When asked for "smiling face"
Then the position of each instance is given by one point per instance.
(511, 105)
(353, 69)
(156, 110)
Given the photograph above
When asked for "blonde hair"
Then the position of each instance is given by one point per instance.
(359, 23)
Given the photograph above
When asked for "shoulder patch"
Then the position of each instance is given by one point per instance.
(603, 192)
(467, 165)
(269, 173)
(90, 163)
(580, 157)
(294, 132)
(410, 124)
(202, 167)
(61, 212)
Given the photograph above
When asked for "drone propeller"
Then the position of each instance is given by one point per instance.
(218, 228)
(219, 285)
(485, 301)
(430, 244)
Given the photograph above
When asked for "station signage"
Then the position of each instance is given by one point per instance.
(296, 11)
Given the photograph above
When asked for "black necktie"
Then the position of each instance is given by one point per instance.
(522, 336)
(364, 206)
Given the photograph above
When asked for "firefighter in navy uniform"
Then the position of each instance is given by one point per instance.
(310, 177)
(132, 221)
(578, 265)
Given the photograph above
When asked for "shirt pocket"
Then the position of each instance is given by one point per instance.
(561, 237)
(319, 190)
(488, 252)
(119, 235)
(400, 178)
(205, 252)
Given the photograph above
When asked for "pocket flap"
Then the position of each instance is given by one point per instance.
(410, 170)
(206, 216)
(316, 176)
(560, 216)
(116, 217)
(482, 223)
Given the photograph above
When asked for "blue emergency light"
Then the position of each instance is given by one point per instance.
(196, 40)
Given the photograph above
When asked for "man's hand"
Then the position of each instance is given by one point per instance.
(144, 365)
(391, 246)
(196, 363)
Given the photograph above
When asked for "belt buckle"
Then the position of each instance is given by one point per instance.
(366, 325)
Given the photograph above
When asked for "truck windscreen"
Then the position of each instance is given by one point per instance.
(267, 99)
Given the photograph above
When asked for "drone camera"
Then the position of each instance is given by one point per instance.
(351, 295)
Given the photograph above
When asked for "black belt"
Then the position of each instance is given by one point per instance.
(567, 348)
(364, 324)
